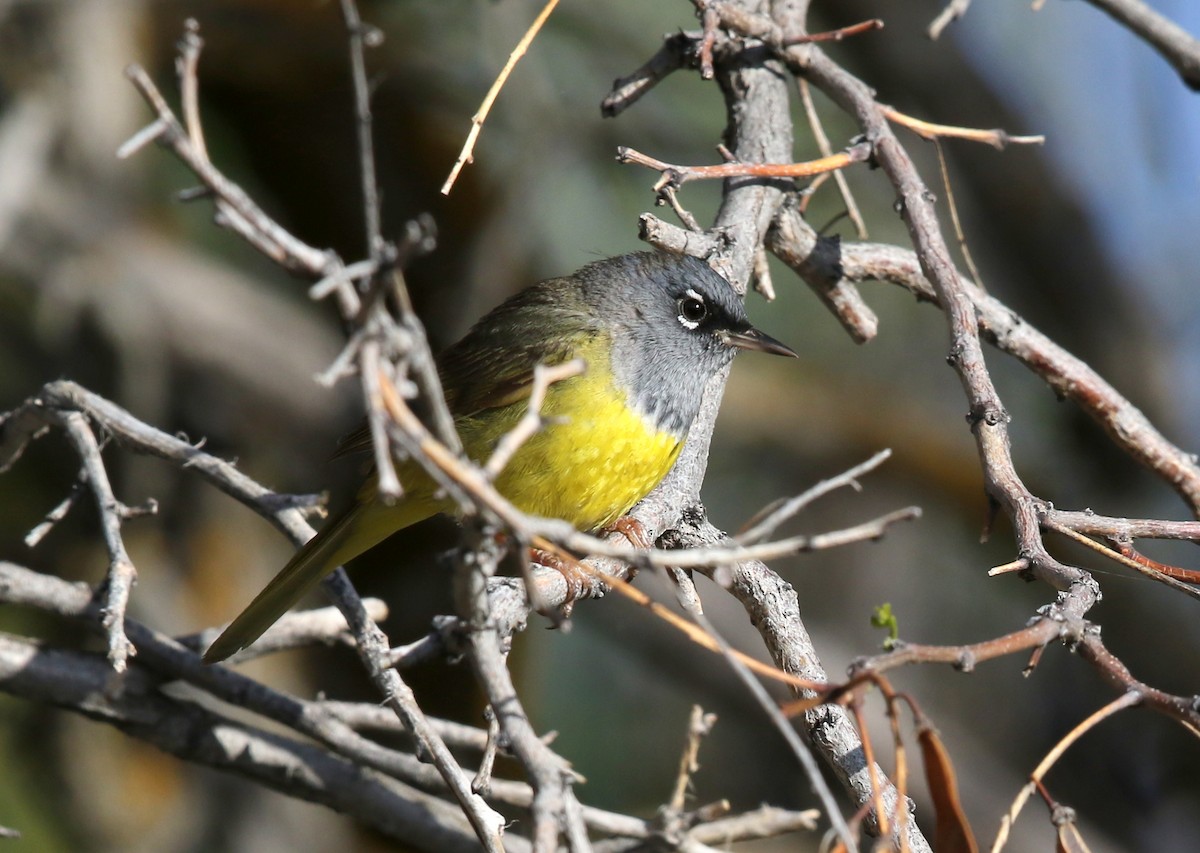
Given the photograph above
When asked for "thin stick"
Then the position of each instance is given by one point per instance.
(677, 175)
(797, 746)
(822, 140)
(762, 526)
(360, 37)
(996, 137)
(189, 83)
(836, 35)
(1140, 568)
(954, 10)
(122, 575)
(954, 220)
(477, 120)
(1125, 700)
(699, 725)
(54, 516)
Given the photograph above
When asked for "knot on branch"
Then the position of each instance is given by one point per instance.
(989, 414)
(1062, 815)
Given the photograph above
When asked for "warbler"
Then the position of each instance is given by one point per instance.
(652, 328)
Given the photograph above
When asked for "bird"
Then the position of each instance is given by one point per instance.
(652, 329)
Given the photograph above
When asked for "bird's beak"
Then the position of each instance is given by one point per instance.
(752, 339)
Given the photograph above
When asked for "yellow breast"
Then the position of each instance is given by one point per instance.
(592, 464)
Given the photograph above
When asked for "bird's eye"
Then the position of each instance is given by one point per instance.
(692, 310)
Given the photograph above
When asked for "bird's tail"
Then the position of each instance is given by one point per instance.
(358, 529)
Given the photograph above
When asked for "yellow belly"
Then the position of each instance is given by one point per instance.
(588, 469)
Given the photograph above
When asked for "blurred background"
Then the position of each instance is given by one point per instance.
(106, 280)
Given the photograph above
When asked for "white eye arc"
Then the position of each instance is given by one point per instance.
(692, 309)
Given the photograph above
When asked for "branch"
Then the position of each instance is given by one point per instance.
(78, 682)
(838, 294)
(678, 51)
(796, 745)
(1173, 43)
(122, 575)
(774, 610)
(1123, 529)
(550, 775)
(829, 262)
(236, 210)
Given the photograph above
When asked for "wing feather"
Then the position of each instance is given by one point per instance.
(492, 365)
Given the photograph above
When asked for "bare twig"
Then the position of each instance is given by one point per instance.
(1037, 634)
(477, 120)
(1137, 565)
(839, 294)
(626, 91)
(360, 37)
(186, 65)
(997, 138)
(818, 130)
(699, 725)
(482, 783)
(797, 746)
(54, 516)
(122, 575)
(1119, 704)
(1123, 528)
(952, 11)
(765, 523)
(236, 210)
(835, 35)
(959, 235)
(709, 20)
(765, 822)
(672, 238)
(371, 369)
(675, 176)
(763, 283)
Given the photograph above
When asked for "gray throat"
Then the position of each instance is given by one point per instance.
(664, 386)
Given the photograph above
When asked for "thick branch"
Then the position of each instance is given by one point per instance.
(78, 682)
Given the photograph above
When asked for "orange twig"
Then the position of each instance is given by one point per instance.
(838, 34)
(673, 175)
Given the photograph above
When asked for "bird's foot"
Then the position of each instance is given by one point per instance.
(577, 578)
(632, 530)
